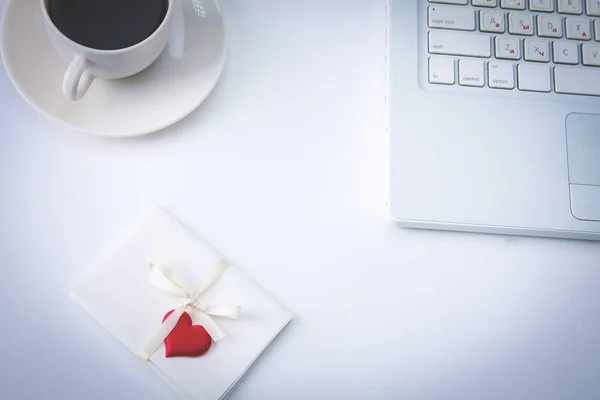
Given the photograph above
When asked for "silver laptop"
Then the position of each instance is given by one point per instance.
(494, 116)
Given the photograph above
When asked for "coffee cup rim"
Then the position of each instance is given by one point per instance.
(102, 51)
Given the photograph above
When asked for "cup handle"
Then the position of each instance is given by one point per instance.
(77, 79)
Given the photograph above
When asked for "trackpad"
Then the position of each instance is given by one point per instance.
(583, 146)
(585, 202)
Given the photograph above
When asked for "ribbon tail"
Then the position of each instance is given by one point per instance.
(211, 327)
(159, 336)
(230, 312)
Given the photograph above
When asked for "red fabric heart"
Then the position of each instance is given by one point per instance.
(186, 340)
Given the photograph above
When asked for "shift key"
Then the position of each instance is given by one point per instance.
(457, 18)
(459, 44)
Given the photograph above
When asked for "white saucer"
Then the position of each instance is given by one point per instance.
(176, 84)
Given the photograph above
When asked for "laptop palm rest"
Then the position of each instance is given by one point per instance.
(583, 150)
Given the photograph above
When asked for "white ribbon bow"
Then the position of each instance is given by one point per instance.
(160, 279)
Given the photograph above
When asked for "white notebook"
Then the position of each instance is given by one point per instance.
(118, 293)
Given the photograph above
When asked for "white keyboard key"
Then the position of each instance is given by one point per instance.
(579, 29)
(501, 75)
(534, 78)
(597, 30)
(491, 21)
(569, 6)
(470, 73)
(459, 44)
(541, 5)
(592, 7)
(508, 48)
(456, 18)
(441, 70)
(566, 52)
(520, 24)
(461, 2)
(549, 26)
(577, 81)
(485, 3)
(513, 4)
(591, 54)
(537, 50)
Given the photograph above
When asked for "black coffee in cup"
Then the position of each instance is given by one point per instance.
(107, 24)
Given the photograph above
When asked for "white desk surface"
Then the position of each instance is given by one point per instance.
(282, 170)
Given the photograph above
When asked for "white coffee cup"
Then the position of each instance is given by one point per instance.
(88, 63)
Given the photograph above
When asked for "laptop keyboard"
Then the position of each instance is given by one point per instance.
(528, 45)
